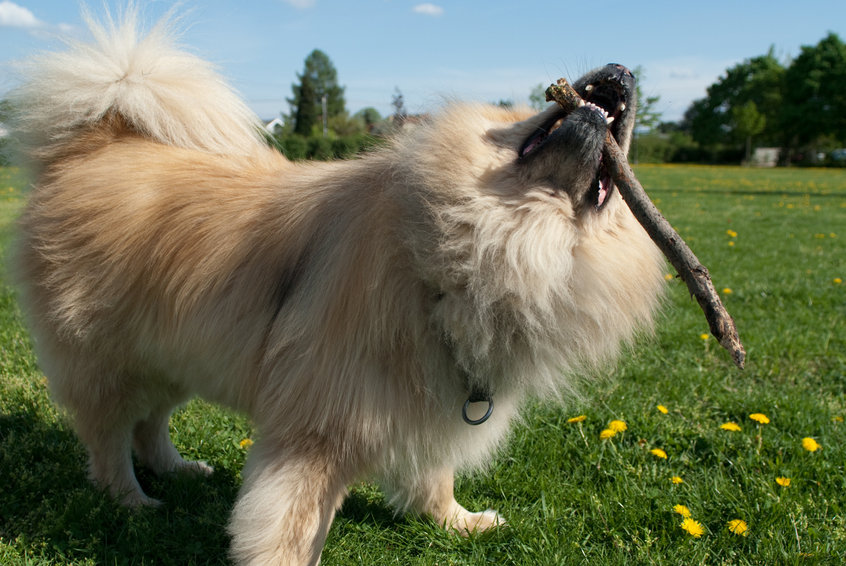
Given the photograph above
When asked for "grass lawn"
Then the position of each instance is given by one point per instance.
(775, 243)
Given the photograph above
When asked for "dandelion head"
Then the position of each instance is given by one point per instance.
(693, 528)
(668, 277)
(738, 527)
(731, 233)
(760, 417)
(727, 291)
(810, 444)
(578, 419)
(682, 510)
(662, 409)
(733, 427)
(676, 480)
(618, 426)
(658, 453)
(783, 482)
(704, 336)
(246, 443)
(838, 281)
(607, 433)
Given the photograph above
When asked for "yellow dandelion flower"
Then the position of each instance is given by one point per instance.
(838, 419)
(676, 480)
(810, 444)
(682, 510)
(760, 417)
(727, 291)
(731, 244)
(738, 527)
(704, 336)
(837, 281)
(731, 233)
(693, 528)
(668, 277)
(607, 433)
(783, 482)
(733, 427)
(662, 409)
(658, 453)
(246, 443)
(578, 419)
(618, 426)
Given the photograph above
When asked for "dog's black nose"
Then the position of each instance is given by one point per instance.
(621, 73)
(622, 69)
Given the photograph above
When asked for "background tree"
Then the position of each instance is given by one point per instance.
(369, 116)
(647, 117)
(398, 103)
(318, 79)
(815, 97)
(746, 123)
(305, 111)
(713, 119)
(5, 118)
(537, 97)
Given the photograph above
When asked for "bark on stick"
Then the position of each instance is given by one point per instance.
(693, 273)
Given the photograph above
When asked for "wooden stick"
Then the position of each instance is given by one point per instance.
(692, 272)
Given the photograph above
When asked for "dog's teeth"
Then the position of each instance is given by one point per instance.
(621, 107)
(588, 88)
(609, 120)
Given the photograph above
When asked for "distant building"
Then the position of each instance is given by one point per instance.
(274, 126)
(765, 157)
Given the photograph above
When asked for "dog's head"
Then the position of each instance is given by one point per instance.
(516, 155)
(564, 150)
(518, 226)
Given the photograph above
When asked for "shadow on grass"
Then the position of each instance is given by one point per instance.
(50, 510)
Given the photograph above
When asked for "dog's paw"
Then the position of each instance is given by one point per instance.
(467, 523)
(195, 467)
(139, 500)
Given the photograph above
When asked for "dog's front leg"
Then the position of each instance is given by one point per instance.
(432, 495)
(286, 504)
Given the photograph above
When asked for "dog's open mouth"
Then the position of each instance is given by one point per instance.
(606, 97)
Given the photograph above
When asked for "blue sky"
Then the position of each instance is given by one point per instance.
(471, 50)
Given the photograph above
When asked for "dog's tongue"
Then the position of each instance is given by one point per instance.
(603, 189)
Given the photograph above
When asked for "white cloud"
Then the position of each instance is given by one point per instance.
(429, 10)
(301, 4)
(12, 15)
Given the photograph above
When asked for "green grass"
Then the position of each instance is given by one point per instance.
(775, 238)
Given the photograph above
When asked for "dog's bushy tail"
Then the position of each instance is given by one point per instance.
(156, 88)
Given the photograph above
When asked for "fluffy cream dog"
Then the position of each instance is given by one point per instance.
(352, 309)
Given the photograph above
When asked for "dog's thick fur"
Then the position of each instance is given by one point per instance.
(349, 308)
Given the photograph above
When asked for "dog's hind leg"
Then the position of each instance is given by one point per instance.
(155, 450)
(432, 495)
(287, 504)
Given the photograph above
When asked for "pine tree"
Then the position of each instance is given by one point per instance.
(318, 79)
